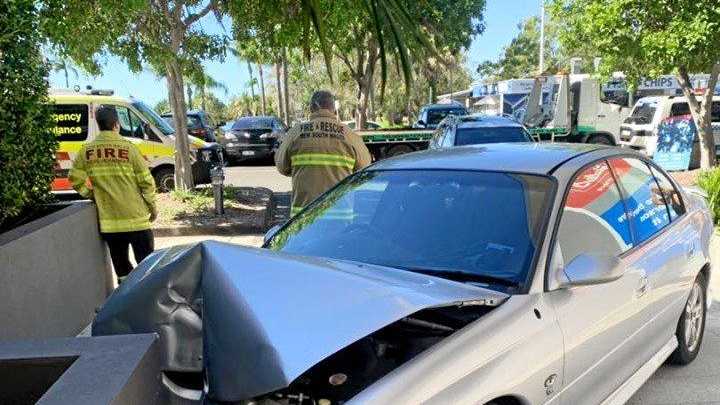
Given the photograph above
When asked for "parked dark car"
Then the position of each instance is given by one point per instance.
(430, 115)
(252, 137)
(476, 130)
(199, 124)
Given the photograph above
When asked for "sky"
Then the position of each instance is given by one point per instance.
(501, 20)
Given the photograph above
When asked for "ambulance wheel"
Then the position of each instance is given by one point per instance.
(398, 150)
(165, 179)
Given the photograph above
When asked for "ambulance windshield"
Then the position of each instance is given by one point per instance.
(154, 118)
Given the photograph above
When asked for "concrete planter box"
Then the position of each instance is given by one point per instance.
(117, 370)
(54, 273)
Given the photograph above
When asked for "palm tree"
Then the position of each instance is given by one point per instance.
(62, 65)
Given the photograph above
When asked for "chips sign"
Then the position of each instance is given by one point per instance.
(676, 136)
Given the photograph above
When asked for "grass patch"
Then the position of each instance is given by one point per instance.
(197, 206)
(709, 181)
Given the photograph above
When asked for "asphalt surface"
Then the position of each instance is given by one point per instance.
(697, 383)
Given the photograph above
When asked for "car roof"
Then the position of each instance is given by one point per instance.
(522, 157)
(442, 106)
(485, 121)
(86, 98)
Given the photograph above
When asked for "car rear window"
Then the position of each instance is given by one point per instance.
(475, 136)
(253, 123)
(71, 121)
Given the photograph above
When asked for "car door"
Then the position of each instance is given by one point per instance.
(597, 321)
(665, 253)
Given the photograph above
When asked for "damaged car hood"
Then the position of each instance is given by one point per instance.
(255, 320)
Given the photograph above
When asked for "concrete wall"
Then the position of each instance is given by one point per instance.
(54, 273)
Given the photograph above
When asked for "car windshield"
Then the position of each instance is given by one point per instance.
(193, 121)
(642, 113)
(478, 223)
(154, 118)
(435, 116)
(474, 136)
(253, 123)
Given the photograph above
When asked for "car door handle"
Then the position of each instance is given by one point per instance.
(642, 286)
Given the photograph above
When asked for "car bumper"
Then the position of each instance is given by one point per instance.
(248, 151)
(642, 144)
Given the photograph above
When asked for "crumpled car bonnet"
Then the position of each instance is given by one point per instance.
(255, 320)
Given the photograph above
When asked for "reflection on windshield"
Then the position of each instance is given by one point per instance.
(154, 118)
(642, 113)
(476, 136)
(477, 222)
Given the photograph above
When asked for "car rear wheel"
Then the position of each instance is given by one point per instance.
(165, 180)
(398, 150)
(691, 327)
(600, 140)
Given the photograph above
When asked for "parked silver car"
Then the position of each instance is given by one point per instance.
(495, 274)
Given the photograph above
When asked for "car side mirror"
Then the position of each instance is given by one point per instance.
(589, 269)
(421, 123)
(271, 233)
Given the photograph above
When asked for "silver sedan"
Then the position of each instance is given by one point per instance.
(502, 274)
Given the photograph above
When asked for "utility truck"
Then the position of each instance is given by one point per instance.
(577, 113)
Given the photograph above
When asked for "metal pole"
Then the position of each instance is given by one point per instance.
(218, 176)
(542, 37)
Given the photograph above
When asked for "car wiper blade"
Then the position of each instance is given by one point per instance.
(460, 275)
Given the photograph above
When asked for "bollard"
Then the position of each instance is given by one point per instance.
(218, 176)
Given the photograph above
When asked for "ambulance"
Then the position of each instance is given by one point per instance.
(73, 113)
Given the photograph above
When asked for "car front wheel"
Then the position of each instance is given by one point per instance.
(691, 327)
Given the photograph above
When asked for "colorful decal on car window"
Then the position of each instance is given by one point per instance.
(593, 220)
(647, 214)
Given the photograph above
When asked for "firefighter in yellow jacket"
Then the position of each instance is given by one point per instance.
(319, 153)
(111, 171)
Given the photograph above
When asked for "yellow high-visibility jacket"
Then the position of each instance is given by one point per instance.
(319, 154)
(111, 171)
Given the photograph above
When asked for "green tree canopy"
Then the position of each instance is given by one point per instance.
(27, 144)
(650, 38)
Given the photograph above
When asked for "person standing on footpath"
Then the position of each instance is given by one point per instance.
(319, 153)
(111, 171)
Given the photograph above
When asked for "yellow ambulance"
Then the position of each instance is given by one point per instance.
(74, 112)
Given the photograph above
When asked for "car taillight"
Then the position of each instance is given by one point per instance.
(196, 131)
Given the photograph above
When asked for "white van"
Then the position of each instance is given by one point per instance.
(639, 131)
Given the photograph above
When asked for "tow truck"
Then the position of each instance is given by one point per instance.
(384, 143)
(578, 114)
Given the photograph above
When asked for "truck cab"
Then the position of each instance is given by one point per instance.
(430, 115)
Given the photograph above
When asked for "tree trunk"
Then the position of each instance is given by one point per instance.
(252, 81)
(701, 113)
(189, 97)
(67, 80)
(286, 91)
(176, 98)
(364, 81)
(262, 90)
(278, 85)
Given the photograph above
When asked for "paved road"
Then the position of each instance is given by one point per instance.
(257, 176)
(698, 383)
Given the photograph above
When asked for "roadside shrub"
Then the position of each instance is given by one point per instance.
(27, 144)
(709, 181)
